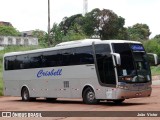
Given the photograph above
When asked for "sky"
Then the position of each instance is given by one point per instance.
(27, 15)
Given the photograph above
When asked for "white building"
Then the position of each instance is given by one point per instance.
(11, 40)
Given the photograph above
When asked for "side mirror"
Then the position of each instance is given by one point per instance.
(153, 59)
(118, 58)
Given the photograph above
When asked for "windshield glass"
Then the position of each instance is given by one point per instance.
(134, 66)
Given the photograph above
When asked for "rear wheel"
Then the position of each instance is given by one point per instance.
(89, 96)
(25, 94)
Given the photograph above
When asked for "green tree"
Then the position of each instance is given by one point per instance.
(71, 35)
(91, 24)
(157, 36)
(122, 34)
(152, 46)
(104, 23)
(111, 25)
(56, 34)
(72, 28)
(41, 35)
(72, 23)
(8, 31)
(139, 32)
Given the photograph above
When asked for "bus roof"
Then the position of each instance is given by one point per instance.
(72, 44)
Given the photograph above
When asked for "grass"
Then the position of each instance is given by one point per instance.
(155, 70)
(1, 82)
(1, 85)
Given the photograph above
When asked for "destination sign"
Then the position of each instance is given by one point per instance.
(137, 47)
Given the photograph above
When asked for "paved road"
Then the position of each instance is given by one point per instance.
(137, 104)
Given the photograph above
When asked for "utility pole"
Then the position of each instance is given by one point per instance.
(85, 7)
(49, 23)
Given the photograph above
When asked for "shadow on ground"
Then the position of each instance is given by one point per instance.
(103, 103)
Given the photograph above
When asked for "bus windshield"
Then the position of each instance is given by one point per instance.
(134, 66)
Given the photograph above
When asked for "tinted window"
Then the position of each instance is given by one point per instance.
(133, 63)
(35, 60)
(102, 49)
(52, 58)
(84, 55)
(105, 64)
(10, 63)
(126, 64)
(6, 64)
(75, 56)
(22, 62)
(68, 57)
(109, 73)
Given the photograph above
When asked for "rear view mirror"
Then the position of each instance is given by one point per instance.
(153, 59)
(117, 57)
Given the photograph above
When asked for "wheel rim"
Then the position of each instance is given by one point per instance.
(90, 96)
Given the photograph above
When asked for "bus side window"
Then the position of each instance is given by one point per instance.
(19, 62)
(22, 62)
(6, 63)
(52, 58)
(35, 60)
(84, 55)
(67, 56)
(10, 65)
(26, 62)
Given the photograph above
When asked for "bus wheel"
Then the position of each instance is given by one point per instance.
(25, 94)
(118, 101)
(89, 96)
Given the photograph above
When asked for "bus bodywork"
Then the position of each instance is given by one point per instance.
(90, 69)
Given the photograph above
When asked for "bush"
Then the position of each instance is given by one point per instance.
(152, 46)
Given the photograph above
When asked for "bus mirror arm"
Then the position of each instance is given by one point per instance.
(118, 58)
(155, 58)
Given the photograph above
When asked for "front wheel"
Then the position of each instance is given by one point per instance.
(89, 96)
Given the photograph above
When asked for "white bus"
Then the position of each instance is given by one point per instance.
(93, 70)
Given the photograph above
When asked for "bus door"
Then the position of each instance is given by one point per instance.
(105, 68)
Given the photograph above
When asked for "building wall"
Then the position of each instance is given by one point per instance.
(10, 40)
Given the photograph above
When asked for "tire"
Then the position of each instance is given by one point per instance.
(25, 94)
(89, 96)
(51, 99)
(118, 101)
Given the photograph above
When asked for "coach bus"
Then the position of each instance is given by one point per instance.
(91, 70)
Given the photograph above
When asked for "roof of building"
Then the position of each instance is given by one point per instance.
(5, 23)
